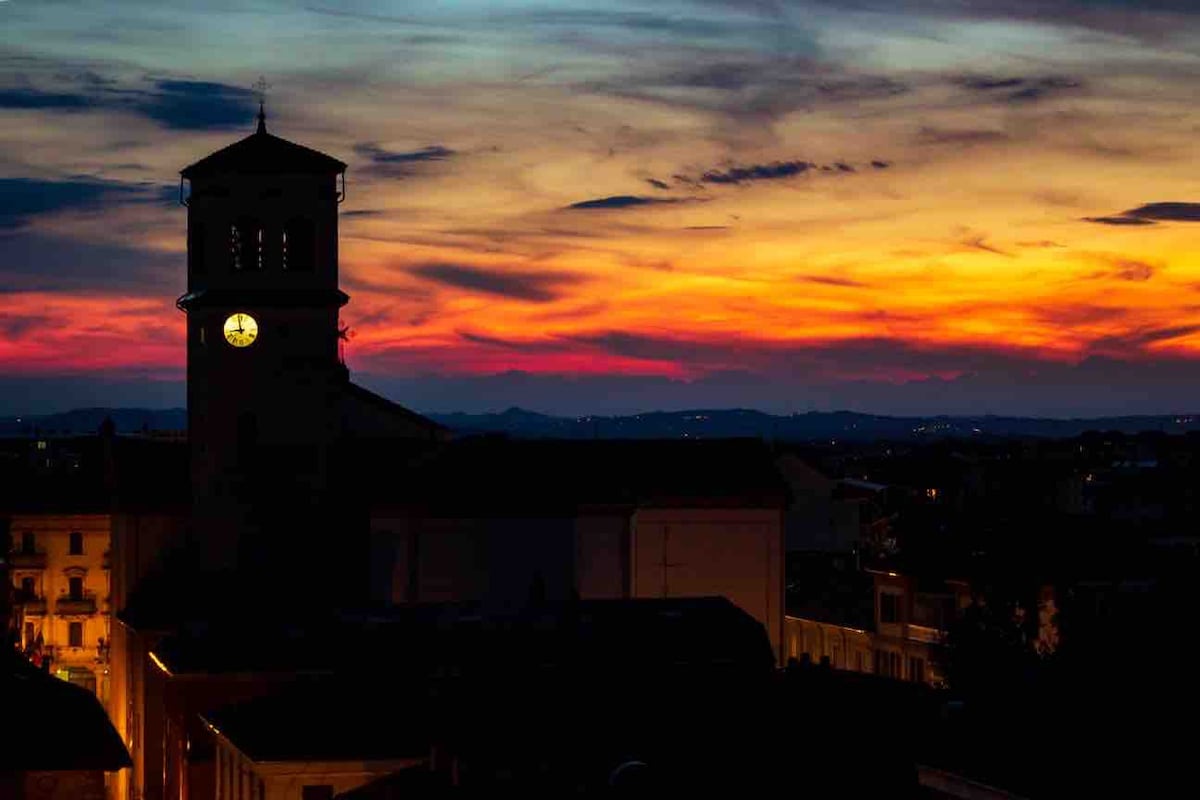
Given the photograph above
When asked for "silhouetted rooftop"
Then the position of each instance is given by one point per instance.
(497, 476)
(264, 153)
(54, 725)
(327, 720)
(428, 639)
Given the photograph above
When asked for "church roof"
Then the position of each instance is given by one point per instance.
(264, 153)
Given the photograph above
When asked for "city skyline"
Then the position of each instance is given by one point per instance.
(580, 208)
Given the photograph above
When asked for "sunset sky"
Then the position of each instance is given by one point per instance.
(895, 206)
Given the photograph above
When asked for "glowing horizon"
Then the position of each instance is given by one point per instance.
(882, 206)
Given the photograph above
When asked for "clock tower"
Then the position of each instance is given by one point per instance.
(264, 376)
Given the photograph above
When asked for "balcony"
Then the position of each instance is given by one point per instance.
(67, 606)
(23, 560)
(922, 633)
(33, 606)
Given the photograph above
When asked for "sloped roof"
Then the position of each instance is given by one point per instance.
(327, 720)
(54, 725)
(264, 153)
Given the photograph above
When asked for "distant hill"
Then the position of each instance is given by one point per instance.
(87, 420)
(699, 424)
(812, 426)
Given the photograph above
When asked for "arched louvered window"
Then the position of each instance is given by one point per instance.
(246, 245)
(298, 245)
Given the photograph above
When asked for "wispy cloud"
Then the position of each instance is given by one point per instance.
(1019, 90)
(622, 201)
(1152, 213)
(533, 287)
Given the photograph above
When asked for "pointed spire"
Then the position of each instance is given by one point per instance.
(261, 87)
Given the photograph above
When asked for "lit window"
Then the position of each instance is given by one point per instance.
(41, 445)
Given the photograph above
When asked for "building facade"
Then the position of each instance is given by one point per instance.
(909, 626)
(60, 566)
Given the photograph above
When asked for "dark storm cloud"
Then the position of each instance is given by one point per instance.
(1140, 338)
(757, 172)
(173, 103)
(1152, 213)
(621, 201)
(657, 184)
(1166, 212)
(1118, 221)
(1019, 90)
(27, 98)
(197, 105)
(534, 287)
(22, 199)
(36, 263)
(383, 157)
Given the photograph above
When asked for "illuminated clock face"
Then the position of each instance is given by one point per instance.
(241, 329)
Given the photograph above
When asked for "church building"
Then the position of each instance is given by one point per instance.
(312, 498)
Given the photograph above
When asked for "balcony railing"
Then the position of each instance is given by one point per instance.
(34, 606)
(22, 560)
(79, 605)
(921, 633)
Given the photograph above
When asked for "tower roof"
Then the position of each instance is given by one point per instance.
(264, 153)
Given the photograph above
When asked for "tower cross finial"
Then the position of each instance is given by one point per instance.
(261, 86)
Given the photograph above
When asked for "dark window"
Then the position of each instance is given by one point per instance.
(29, 634)
(245, 245)
(28, 591)
(75, 547)
(889, 607)
(28, 543)
(196, 247)
(916, 669)
(298, 245)
(76, 588)
(322, 791)
(887, 664)
(235, 248)
(75, 634)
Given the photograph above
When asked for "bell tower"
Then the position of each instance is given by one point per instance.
(263, 371)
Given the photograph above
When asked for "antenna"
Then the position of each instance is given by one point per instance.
(260, 87)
